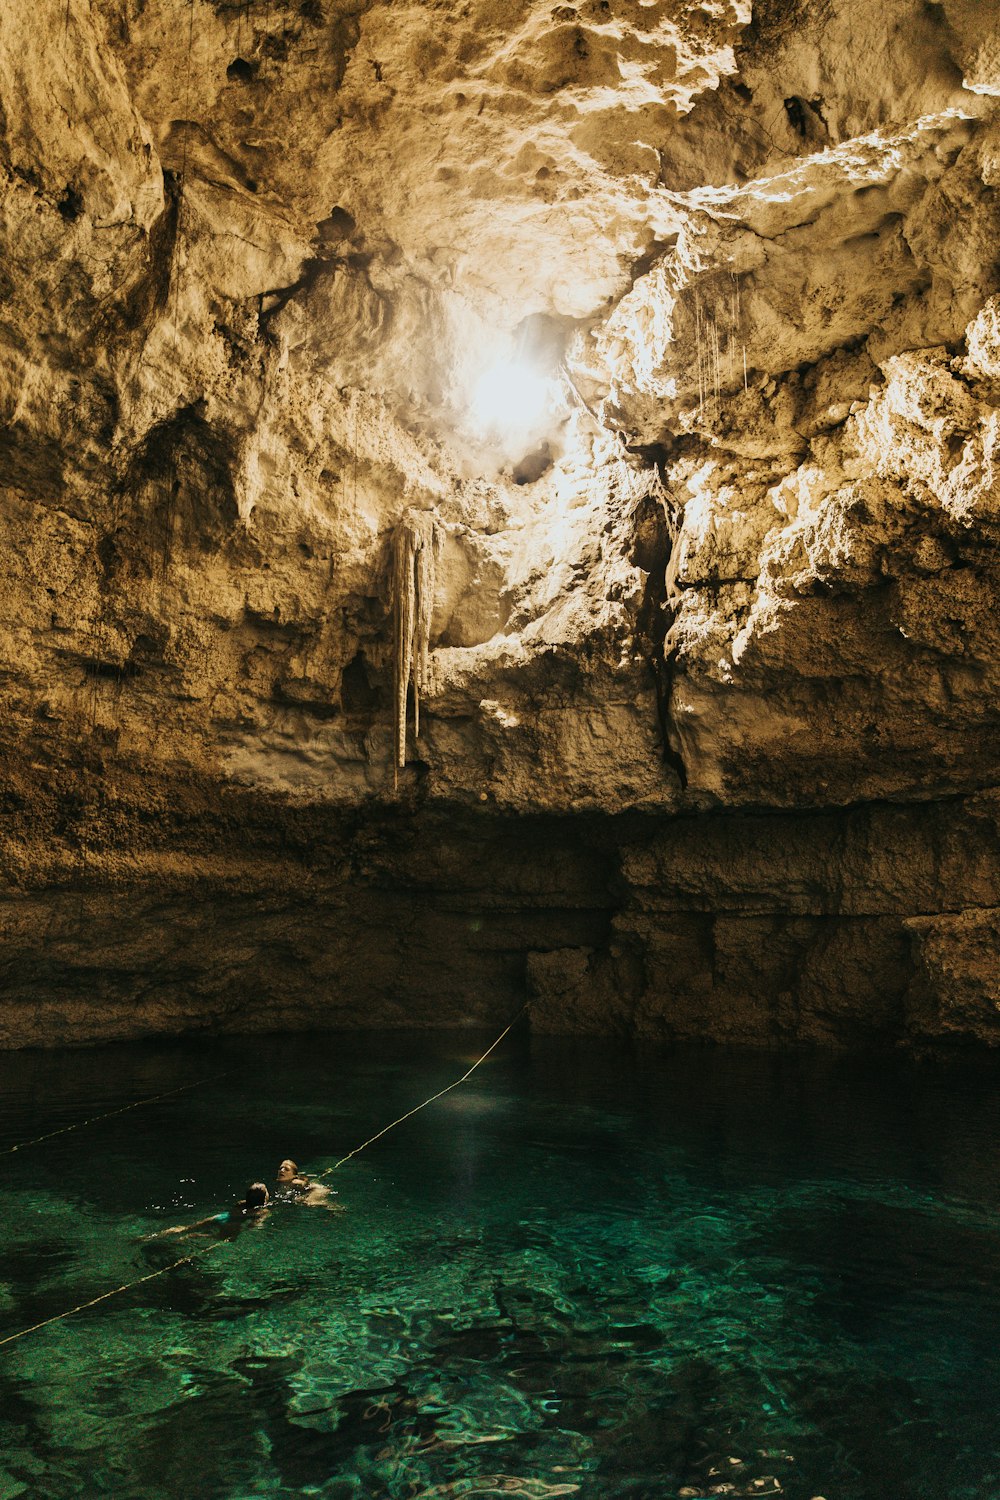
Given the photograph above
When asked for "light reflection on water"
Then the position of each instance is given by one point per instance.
(586, 1272)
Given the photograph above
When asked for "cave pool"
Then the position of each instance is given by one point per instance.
(598, 1270)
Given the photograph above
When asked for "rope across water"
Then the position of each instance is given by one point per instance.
(95, 1119)
(125, 1287)
(439, 1095)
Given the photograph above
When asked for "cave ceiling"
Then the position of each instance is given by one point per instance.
(260, 258)
(627, 373)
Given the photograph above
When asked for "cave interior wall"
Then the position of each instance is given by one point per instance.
(709, 727)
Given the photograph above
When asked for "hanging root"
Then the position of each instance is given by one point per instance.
(416, 546)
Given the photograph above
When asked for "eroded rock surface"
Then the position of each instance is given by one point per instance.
(709, 735)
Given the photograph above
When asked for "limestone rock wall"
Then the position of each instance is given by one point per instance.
(709, 745)
(175, 906)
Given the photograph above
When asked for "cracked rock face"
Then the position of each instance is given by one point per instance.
(681, 322)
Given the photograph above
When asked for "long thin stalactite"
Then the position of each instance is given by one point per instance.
(416, 543)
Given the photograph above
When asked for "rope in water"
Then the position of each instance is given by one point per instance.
(81, 1306)
(127, 1286)
(439, 1095)
(95, 1119)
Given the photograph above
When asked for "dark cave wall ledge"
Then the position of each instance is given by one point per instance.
(187, 908)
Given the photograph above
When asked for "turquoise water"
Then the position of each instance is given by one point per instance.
(583, 1273)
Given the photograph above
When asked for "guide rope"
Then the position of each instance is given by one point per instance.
(95, 1119)
(439, 1095)
(127, 1286)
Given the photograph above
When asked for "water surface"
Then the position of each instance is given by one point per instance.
(586, 1272)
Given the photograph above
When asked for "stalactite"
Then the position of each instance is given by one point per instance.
(734, 311)
(716, 381)
(739, 330)
(404, 590)
(698, 345)
(416, 546)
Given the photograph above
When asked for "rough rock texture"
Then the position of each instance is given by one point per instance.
(709, 727)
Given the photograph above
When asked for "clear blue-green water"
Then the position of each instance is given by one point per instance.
(586, 1272)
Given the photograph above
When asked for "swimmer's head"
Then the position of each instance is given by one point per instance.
(257, 1198)
(287, 1171)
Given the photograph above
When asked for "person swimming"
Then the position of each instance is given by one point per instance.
(291, 1186)
(295, 1187)
(252, 1209)
(257, 1199)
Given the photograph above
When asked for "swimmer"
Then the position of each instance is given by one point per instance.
(251, 1210)
(255, 1204)
(295, 1187)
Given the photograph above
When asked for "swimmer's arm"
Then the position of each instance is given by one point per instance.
(320, 1196)
(189, 1228)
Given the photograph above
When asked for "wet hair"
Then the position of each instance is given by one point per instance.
(289, 1163)
(257, 1196)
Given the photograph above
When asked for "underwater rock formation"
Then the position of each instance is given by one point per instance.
(704, 645)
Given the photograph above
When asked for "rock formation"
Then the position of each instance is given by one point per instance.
(416, 544)
(708, 658)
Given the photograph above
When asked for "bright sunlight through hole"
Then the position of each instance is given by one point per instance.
(511, 400)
